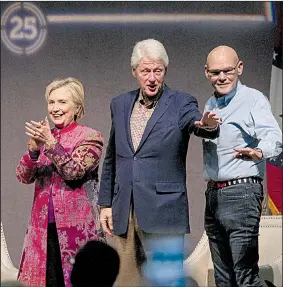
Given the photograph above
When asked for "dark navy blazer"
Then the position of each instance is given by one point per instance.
(154, 175)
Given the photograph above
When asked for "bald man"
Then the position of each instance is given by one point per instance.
(234, 166)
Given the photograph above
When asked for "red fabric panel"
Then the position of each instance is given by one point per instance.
(274, 185)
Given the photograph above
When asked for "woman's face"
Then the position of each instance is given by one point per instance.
(61, 108)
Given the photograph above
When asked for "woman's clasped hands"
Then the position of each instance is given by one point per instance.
(40, 134)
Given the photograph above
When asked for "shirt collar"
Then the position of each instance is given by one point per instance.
(226, 99)
(149, 102)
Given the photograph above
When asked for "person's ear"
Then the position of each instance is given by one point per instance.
(205, 72)
(134, 72)
(77, 111)
(240, 68)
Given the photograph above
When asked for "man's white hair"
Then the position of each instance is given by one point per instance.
(151, 49)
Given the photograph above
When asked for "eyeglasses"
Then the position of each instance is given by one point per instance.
(226, 72)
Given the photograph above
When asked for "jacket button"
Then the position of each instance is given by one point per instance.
(56, 209)
(135, 158)
(54, 194)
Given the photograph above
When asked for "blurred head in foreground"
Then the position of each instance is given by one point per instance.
(96, 264)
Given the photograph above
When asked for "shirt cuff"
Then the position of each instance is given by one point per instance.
(211, 129)
(34, 155)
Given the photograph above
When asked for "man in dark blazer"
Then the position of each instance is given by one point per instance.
(143, 184)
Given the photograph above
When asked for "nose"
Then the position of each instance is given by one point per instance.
(55, 108)
(151, 77)
(222, 76)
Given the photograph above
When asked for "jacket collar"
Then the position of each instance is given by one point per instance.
(66, 129)
(161, 107)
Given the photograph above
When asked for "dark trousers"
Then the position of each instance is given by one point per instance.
(54, 271)
(232, 216)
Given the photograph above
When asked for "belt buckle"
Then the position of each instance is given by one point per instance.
(221, 184)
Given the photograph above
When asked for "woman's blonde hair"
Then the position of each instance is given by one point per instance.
(75, 87)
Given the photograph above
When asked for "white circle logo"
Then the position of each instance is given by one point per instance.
(23, 28)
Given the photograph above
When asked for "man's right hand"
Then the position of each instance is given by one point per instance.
(106, 220)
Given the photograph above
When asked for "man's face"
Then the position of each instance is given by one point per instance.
(150, 76)
(223, 71)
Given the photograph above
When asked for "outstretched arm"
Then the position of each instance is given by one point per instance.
(208, 126)
(190, 118)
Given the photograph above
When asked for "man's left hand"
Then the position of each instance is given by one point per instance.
(208, 121)
(248, 153)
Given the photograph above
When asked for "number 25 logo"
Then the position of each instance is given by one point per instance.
(24, 28)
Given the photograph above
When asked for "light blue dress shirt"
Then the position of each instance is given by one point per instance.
(247, 121)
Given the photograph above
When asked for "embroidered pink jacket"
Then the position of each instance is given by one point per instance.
(69, 171)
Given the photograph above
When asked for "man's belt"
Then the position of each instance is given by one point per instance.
(221, 184)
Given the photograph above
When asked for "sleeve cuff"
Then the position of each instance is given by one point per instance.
(34, 155)
(211, 129)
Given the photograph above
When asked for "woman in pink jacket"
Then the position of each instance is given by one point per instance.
(63, 164)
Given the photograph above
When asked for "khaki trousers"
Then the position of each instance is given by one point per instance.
(135, 249)
(132, 256)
